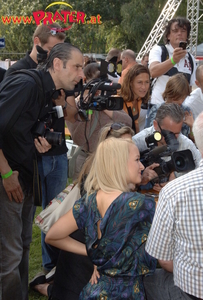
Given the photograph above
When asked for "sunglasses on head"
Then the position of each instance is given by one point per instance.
(55, 31)
(115, 126)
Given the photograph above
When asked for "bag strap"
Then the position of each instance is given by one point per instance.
(95, 121)
(35, 75)
(191, 62)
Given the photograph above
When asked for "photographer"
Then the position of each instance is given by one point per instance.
(19, 110)
(169, 117)
(176, 235)
(52, 165)
(85, 134)
(171, 58)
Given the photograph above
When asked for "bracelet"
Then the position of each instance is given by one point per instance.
(173, 62)
(7, 174)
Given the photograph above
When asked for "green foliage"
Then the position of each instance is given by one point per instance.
(125, 24)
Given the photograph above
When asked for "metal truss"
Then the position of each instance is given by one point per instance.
(157, 31)
(194, 15)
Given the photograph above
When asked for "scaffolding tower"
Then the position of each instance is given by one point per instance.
(168, 12)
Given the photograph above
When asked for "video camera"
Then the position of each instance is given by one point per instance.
(100, 93)
(43, 127)
(104, 100)
(179, 161)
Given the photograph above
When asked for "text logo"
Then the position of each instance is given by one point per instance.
(68, 16)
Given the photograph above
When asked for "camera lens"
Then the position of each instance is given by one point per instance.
(180, 163)
(54, 138)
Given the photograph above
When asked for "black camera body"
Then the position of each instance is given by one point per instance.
(43, 127)
(105, 99)
(101, 92)
(179, 161)
(41, 54)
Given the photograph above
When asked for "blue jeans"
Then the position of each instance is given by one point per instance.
(15, 239)
(160, 286)
(53, 172)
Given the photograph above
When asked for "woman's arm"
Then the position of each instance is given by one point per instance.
(58, 235)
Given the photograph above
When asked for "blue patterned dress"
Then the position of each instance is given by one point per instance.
(120, 254)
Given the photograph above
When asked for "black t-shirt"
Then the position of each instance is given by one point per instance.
(19, 111)
(24, 63)
(2, 73)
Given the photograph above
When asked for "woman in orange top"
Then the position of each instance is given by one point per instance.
(135, 90)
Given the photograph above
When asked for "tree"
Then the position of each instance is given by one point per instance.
(125, 24)
(18, 37)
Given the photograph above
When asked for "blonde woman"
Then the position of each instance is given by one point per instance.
(115, 221)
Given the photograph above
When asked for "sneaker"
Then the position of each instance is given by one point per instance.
(38, 279)
(50, 276)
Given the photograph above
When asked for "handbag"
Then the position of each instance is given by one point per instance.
(60, 205)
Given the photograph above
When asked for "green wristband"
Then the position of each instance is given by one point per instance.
(173, 62)
(7, 174)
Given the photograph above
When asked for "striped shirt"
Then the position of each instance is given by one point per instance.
(177, 230)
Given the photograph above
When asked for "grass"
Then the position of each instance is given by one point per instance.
(35, 262)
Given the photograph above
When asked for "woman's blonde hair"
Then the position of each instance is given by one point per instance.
(106, 132)
(177, 88)
(109, 167)
(127, 85)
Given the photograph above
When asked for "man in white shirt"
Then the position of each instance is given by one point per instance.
(169, 117)
(195, 100)
(176, 235)
(177, 60)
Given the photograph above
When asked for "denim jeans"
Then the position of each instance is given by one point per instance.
(15, 239)
(53, 172)
(160, 286)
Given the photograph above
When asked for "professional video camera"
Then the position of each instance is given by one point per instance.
(43, 127)
(100, 93)
(104, 100)
(167, 156)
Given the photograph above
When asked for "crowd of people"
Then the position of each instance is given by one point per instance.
(116, 242)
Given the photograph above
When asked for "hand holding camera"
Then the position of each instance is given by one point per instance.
(43, 129)
(179, 52)
(42, 145)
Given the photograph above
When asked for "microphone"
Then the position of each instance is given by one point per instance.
(103, 86)
(158, 150)
(109, 86)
